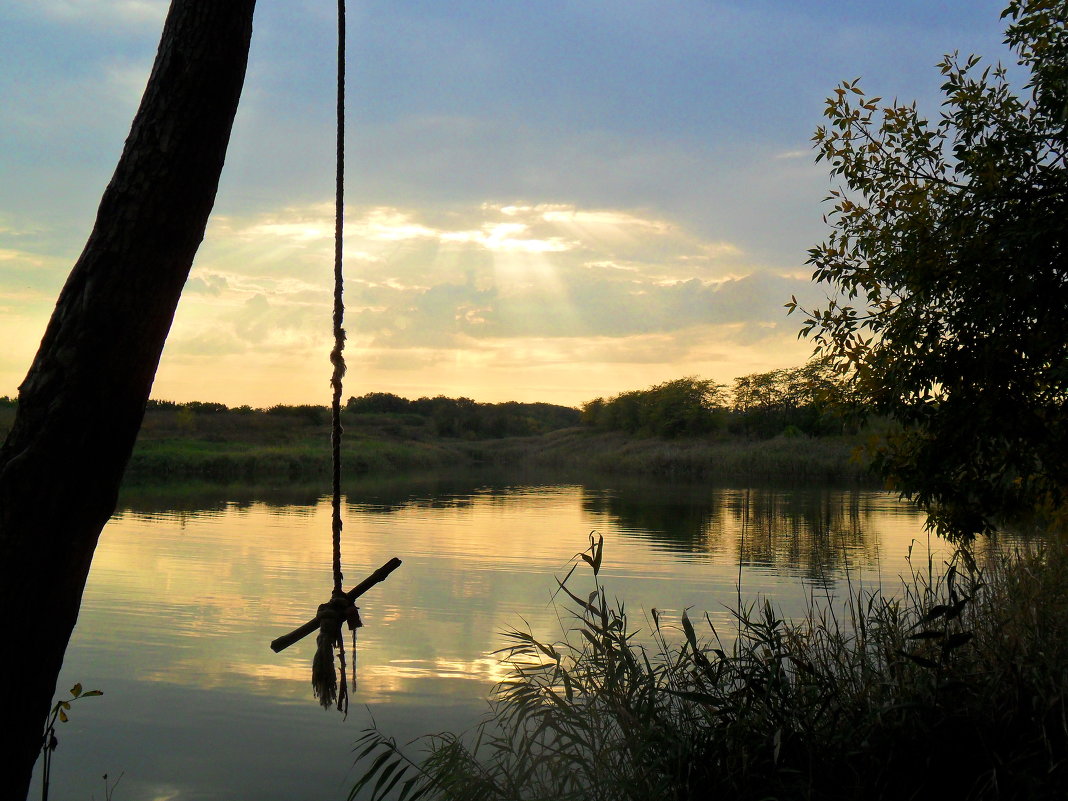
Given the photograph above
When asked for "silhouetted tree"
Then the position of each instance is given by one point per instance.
(808, 399)
(378, 403)
(947, 268)
(463, 417)
(83, 400)
(683, 407)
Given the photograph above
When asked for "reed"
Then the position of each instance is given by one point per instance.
(955, 688)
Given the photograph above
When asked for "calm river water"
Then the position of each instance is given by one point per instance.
(189, 587)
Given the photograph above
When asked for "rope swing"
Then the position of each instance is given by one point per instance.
(341, 608)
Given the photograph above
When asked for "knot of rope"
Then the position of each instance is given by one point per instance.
(325, 684)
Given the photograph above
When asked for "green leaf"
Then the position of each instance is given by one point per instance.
(920, 660)
(929, 634)
(691, 635)
(935, 612)
(705, 699)
(957, 640)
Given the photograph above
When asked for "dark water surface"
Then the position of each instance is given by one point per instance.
(189, 586)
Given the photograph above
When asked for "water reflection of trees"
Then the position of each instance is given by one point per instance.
(814, 533)
(380, 494)
(810, 532)
(196, 499)
(453, 490)
(671, 518)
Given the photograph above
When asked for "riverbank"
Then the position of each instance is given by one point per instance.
(209, 442)
(177, 446)
(832, 460)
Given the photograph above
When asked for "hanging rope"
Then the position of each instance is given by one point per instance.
(339, 609)
(337, 357)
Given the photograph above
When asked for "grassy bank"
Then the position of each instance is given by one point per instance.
(956, 688)
(809, 459)
(300, 459)
(256, 446)
(184, 444)
(306, 455)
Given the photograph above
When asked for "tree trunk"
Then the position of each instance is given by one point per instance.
(84, 397)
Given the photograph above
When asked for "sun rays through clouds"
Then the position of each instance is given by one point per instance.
(550, 301)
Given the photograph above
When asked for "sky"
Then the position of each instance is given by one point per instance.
(551, 200)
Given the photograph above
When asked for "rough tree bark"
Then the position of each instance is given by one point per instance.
(84, 397)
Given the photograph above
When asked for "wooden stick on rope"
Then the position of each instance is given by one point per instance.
(301, 632)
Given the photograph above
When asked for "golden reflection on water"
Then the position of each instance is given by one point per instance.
(187, 592)
(198, 594)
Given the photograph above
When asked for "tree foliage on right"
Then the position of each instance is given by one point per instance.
(948, 277)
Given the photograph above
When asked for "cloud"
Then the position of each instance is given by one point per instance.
(32, 276)
(9, 257)
(206, 284)
(475, 278)
(492, 300)
(508, 238)
(134, 14)
(99, 101)
(529, 293)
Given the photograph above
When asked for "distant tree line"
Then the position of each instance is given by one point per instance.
(307, 412)
(801, 400)
(463, 417)
(444, 417)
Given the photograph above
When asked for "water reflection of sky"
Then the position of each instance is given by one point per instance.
(186, 592)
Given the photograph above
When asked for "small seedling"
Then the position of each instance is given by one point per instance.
(49, 741)
(109, 787)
